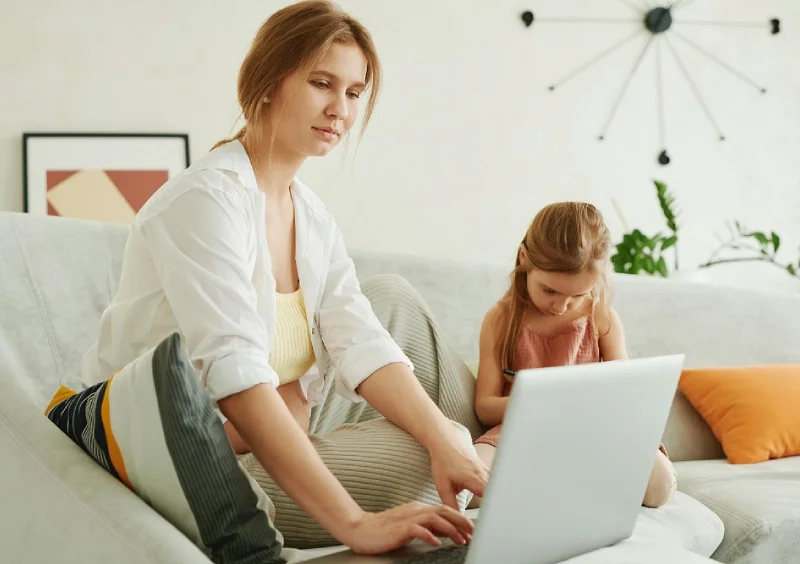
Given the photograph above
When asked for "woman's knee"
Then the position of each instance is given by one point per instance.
(389, 287)
(662, 484)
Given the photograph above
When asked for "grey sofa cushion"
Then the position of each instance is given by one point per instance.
(683, 522)
(758, 503)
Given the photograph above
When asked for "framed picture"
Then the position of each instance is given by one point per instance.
(98, 176)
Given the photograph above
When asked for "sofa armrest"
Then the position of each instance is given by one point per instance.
(57, 501)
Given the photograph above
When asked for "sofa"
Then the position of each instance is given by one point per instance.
(56, 504)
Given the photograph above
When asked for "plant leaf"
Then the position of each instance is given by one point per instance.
(776, 241)
(662, 267)
(760, 237)
(791, 269)
(668, 242)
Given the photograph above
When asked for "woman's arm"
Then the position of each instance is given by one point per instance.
(612, 342)
(283, 449)
(395, 393)
(490, 405)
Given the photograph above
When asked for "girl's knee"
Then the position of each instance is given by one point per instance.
(662, 484)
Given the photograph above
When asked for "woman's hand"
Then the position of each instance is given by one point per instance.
(376, 533)
(456, 467)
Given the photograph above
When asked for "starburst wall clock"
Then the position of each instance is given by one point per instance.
(656, 24)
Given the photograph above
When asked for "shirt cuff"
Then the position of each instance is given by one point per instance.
(237, 372)
(360, 361)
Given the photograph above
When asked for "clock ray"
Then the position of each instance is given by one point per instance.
(659, 21)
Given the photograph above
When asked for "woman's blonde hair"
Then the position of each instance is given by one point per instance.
(293, 39)
(566, 237)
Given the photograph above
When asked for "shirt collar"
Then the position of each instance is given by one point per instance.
(233, 157)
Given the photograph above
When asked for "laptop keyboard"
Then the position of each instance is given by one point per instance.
(450, 554)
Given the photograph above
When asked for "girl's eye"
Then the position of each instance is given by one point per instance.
(549, 292)
(354, 95)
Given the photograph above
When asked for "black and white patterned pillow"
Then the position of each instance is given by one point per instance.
(153, 427)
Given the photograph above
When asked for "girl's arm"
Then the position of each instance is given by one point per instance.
(612, 342)
(490, 405)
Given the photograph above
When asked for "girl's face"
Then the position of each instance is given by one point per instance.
(312, 113)
(554, 293)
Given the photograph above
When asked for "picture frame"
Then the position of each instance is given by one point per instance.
(103, 177)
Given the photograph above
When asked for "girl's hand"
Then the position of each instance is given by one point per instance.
(376, 533)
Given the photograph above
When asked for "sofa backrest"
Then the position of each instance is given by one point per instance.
(711, 325)
(58, 275)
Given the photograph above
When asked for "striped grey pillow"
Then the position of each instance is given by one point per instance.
(153, 427)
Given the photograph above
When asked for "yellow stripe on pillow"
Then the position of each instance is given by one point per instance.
(60, 395)
(114, 454)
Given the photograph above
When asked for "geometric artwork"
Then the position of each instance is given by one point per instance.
(655, 27)
(102, 195)
(98, 177)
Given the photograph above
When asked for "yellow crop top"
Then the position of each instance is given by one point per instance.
(292, 354)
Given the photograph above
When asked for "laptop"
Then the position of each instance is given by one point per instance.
(573, 463)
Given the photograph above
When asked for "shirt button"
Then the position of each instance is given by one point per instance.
(313, 330)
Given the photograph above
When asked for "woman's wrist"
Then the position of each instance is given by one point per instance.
(443, 434)
(344, 524)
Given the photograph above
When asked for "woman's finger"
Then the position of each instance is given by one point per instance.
(417, 531)
(462, 522)
(476, 483)
(441, 527)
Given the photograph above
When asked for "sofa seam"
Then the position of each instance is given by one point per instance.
(755, 526)
(758, 527)
(109, 275)
(40, 304)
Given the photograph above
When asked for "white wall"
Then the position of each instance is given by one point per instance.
(466, 143)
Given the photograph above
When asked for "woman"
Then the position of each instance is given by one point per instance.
(246, 264)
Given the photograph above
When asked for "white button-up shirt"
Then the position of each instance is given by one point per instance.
(197, 262)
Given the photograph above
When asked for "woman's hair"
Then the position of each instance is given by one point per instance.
(566, 237)
(295, 38)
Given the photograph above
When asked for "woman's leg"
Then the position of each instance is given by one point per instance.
(442, 373)
(380, 465)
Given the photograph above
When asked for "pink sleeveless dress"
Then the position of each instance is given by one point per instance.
(576, 344)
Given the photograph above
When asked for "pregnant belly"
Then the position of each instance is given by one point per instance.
(297, 403)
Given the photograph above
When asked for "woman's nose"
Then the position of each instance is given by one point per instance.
(338, 107)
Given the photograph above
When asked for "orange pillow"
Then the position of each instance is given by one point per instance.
(754, 411)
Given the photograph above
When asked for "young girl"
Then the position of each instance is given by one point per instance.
(555, 313)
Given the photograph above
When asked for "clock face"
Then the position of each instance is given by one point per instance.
(657, 24)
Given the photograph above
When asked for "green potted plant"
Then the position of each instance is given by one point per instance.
(638, 253)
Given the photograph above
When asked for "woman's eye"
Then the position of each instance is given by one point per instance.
(320, 84)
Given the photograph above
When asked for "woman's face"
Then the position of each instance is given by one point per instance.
(312, 113)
